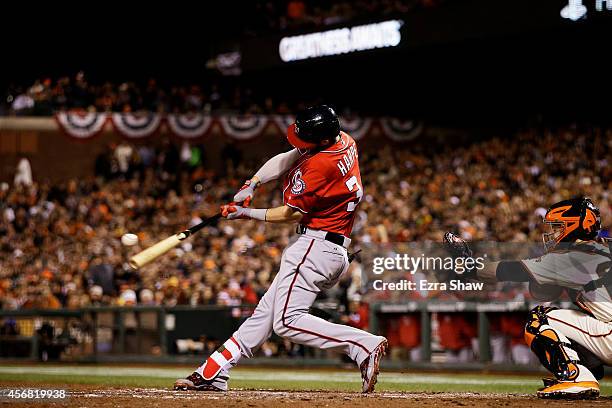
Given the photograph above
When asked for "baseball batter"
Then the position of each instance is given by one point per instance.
(322, 189)
(573, 345)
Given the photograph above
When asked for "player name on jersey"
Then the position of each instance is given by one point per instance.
(348, 160)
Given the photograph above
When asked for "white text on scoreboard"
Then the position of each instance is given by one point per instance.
(341, 41)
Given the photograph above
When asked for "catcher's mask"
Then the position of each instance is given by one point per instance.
(571, 220)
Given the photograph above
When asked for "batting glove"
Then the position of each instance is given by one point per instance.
(233, 211)
(246, 193)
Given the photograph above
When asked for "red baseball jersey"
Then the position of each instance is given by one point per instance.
(326, 187)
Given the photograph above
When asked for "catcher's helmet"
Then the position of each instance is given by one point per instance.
(571, 220)
(313, 126)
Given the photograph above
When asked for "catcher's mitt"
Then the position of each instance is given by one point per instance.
(457, 246)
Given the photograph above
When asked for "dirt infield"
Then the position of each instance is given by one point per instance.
(95, 396)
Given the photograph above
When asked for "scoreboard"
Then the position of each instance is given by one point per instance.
(451, 22)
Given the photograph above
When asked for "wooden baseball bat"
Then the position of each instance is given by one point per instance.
(155, 251)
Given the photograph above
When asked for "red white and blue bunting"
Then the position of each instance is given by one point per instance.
(400, 130)
(240, 127)
(136, 125)
(282, 122)
(243, 127)
(355, 126)
(189, 126)
(81, 125)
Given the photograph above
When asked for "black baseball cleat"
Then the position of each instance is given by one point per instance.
(370, 367)
(196, 382)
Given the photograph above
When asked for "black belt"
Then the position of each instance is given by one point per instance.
(332, 237)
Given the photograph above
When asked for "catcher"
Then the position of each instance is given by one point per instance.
(573, 344)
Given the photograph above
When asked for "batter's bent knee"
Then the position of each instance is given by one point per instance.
(279, 326)
(282, 324)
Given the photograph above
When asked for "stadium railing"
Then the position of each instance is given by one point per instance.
(183, 334)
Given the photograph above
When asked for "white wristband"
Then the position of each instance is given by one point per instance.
(257, 213)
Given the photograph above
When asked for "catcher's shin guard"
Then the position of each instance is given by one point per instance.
(555, 352)
(552, 348)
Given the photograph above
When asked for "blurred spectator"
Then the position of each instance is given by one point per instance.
(404, 335)
(296, 10)
(95, 295)
(457, 332)
(127, 298)
(146, 297)
(513, 326)
(123, 155)
(500, 350)
(23, 104)
(23, 174)
(358, 314)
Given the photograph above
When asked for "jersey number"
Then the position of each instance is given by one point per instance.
(350, 184)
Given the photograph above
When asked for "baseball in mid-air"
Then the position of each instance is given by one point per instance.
(129, 239)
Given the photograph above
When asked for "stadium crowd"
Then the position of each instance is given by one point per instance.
(60, 246)
(46, 96)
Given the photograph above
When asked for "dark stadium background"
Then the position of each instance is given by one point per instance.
(469, 62)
